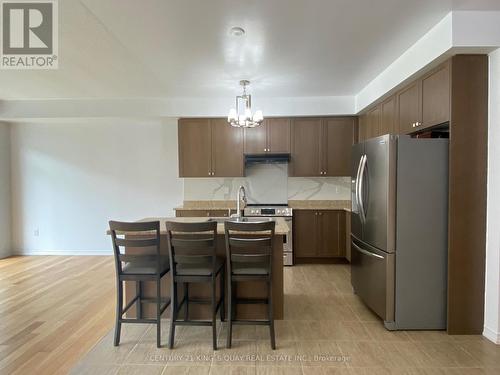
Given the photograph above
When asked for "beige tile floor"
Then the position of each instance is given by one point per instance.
(326, 331)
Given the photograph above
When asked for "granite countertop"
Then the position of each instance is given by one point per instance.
(280, 230)
(295, 204)
(320, 205)
(207, 205)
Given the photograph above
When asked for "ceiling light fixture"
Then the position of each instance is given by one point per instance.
(237, 31)
(241, 116)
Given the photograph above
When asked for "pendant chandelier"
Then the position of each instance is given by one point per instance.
(241, 116)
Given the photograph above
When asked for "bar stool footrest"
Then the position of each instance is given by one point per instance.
(193, 322)
(251, 322)
(251, 301)
(140, 321)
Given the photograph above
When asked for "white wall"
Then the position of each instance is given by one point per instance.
(69, 177)
(5, 217)
(492, 296)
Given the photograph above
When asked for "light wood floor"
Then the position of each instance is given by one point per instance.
(53, 309)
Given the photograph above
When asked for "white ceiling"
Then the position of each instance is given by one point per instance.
(182, 48)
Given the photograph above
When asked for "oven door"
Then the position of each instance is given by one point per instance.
(372, 277)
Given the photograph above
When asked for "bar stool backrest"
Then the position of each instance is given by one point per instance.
(249, 243)
(191, 244)
(144, 235)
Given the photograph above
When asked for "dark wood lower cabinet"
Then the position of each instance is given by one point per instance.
(305, 233)
(331, 227)
(319, 234)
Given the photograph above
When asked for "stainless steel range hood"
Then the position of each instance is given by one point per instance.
(266, 158)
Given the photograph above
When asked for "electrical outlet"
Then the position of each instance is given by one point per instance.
(36, 232)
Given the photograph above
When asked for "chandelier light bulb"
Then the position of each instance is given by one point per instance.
(233, 115)
(258, 116)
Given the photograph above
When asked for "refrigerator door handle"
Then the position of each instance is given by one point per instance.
(356, 186)
(364, 159)
(370, 254)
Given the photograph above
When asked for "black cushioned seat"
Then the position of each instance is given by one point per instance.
(199, 269)
(250, 268)
(146, 267)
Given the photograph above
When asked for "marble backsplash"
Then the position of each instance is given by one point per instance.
(268, 183)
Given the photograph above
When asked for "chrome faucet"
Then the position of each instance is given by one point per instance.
(241, 196)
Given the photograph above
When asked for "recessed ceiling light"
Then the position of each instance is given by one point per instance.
(237, 31)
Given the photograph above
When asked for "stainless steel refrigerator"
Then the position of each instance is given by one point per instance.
(399, 229)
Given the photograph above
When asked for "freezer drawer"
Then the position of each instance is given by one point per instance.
(372, 277)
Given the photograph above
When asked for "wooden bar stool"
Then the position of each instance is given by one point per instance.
(249, 254)
(192, 248)
(148, 266)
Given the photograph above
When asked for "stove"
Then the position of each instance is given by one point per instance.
(276, 210)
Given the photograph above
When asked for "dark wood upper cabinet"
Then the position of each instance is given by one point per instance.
(322, 146)
(278, 135)
(436, 96)
(195, 148)
(227, 150)
(423, 103)
(373, 124)
(305, 241)
(410, 108)
(379, 120)
(363, 130)
(204, 146)
(305, 153)
(256, 139)
(389, 116)
(272, 136)
(338, 137)
(318, 146)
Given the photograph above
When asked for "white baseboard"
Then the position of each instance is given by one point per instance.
(491, 335)
(64, 252)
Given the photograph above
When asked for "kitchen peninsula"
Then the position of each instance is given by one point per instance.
(250, 289)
